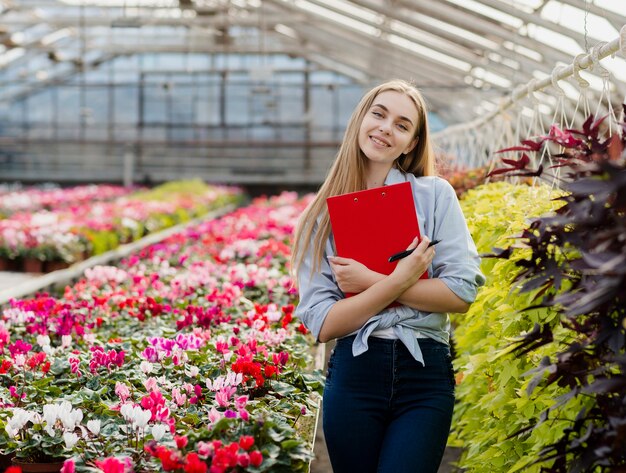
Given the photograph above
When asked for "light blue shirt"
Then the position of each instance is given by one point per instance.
(456, 264)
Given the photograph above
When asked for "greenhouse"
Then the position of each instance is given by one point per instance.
(313, 236)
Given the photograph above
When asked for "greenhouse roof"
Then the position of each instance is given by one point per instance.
(465, 54)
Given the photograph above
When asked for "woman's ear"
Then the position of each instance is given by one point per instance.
(412, 145)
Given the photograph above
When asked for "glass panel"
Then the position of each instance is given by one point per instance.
(126, 105)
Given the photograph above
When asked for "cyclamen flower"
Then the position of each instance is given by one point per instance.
(145, 367)
(70, 439)
(20, 418)
(94, 426)
(19, 347)
(14, 393)
(223, 395)
(68, 466)
(158, 431)
(74, 365)
(178, 397)
(137, 416)
(122, 391)
(151, 384)
(193, 464)
(115, 465)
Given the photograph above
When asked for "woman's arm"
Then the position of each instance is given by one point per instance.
(455, 273)
(426, 295)
(348, 315)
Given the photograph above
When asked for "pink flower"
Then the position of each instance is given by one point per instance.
(13, 392)
(122, 391)
(115, 465)
(178, 397)
(214, 415)
(68, 466)
(223, 395)
(241, 401)
(151, 384)
(19, 347)
(204, 449)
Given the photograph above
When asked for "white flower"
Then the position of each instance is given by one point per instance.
(70, 439)
(20, 360)
(19, 420)
(43, 341)
(94, 426)
(146, 367)
(127, 411)
(136, 416)
(70, 417)
(66, 341)
(192, 371)
(142, 418)
(50, 414)
(158, 431)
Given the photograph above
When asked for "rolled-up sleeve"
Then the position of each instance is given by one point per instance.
(318, 292)
(456, 261)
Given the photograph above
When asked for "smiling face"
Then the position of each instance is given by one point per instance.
(388, 128)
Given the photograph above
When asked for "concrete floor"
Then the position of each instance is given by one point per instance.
(8, 280)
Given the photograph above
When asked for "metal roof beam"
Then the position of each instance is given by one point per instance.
(453, 50)
(615, 19)
(359, 37)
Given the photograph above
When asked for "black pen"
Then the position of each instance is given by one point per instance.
(404, 253)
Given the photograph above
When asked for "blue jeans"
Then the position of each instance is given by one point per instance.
(383, 411)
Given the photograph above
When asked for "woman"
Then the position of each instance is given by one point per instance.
(389, 390)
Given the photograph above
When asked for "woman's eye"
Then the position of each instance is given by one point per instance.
(377, 114)
(403, 127)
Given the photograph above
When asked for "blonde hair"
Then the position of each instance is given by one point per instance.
(347, 173)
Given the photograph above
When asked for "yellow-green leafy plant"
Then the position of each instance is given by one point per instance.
(494, 411)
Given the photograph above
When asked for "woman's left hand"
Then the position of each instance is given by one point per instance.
(351, 276)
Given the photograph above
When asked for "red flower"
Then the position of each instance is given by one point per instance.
(302, 329)
(256, 458)
(6, 365)
(181, 441)
(243, 460)
(246, 442)
(13, 469)
(270, 371)
(194, 464)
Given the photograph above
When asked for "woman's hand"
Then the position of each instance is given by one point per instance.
(351, 276)
(410, 268)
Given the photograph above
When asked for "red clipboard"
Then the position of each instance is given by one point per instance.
(371, 225)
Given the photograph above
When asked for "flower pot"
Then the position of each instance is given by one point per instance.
(50, 467)
(8, 264)
(33, 265)
(4, 264)
(50, 266)
(5, 461)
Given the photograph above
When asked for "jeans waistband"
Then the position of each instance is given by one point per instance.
(372, 341)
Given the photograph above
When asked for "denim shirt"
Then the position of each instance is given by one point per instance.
(456, 264)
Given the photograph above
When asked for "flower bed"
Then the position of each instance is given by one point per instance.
(34, 199)
(185, 357)
(77, 232)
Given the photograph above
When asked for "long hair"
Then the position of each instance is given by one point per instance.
(347, 173)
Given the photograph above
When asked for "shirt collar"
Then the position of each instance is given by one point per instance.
(395, 176)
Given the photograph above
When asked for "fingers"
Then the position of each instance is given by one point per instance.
(424, 244)
(339, 260)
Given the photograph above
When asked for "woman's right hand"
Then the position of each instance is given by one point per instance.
(411, 267)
